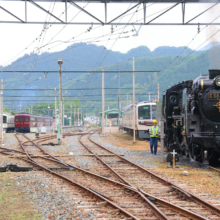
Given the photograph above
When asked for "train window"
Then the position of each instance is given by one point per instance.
(21, 118)
(144, 112)
(16, 119)
(4, 119)
(26, 118)
(153, 111)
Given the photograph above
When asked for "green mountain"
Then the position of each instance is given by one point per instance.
(87, 57)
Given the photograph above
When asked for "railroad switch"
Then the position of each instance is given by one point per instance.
(14, 168)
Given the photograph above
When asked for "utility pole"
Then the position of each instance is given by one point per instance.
(78, 117)
(2, 109)
(74, 115)
(60, 62)
(71, 114)
(55, 113)
(158, 92)
(119, 104)
(149, 96)
(81, 118)
(63, 113)
(20, 107)
(31, 109)
(103, 101)
(134, 141)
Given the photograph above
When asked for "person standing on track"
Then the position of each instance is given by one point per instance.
(154, 131)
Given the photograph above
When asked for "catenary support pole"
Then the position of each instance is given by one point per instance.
(81, 118)
(55, 113)
(74, 115)
(134, 141)
(60, 62)
(78, 118)
(119, 104)
(63, 103)
(158, 92)
(103, 101)
(70, 114)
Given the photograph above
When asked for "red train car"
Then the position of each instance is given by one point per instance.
(25, 122)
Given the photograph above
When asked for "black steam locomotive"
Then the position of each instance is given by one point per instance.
(191, 111)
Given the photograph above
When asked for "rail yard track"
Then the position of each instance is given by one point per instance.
(124, 189)
(151, 185)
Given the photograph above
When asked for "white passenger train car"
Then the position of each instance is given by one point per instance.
(8, 122)
(145, 113)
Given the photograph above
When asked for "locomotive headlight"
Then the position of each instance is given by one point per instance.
(217, 81)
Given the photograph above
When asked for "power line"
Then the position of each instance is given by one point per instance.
(176, 57)
(66, 89)
(78, 71)
(94, 38)
(33, 100)
(77, 96)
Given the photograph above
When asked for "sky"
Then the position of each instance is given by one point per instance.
(19, 39)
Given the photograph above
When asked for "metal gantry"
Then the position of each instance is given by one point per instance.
(105, 3)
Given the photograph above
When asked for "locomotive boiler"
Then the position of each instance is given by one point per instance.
(191, 112)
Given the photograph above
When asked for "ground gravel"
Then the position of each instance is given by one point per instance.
(51, 201)
(143, 158)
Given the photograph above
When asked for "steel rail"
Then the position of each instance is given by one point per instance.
(195, 198)
(77, 168)
(156, 211)
(99, 195)
(153, 208)
(215, 169)
(115, 173)
(174, 207)
(183, 211)
(44, 151)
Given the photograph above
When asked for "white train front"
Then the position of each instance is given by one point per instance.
(145, 112)
(8, 122)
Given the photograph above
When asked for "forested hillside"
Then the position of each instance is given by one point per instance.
(88, 57)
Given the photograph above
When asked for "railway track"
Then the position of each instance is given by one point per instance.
(124, 192)
(151, 185)
(111, 192)
(214, 169)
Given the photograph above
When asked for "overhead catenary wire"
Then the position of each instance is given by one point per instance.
(13, 89)
(74, 95)
(33, 100)
(35, 39)
(85, 42)
(78, 71)
(177, 56)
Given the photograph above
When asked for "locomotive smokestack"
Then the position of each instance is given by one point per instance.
(214, 73)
